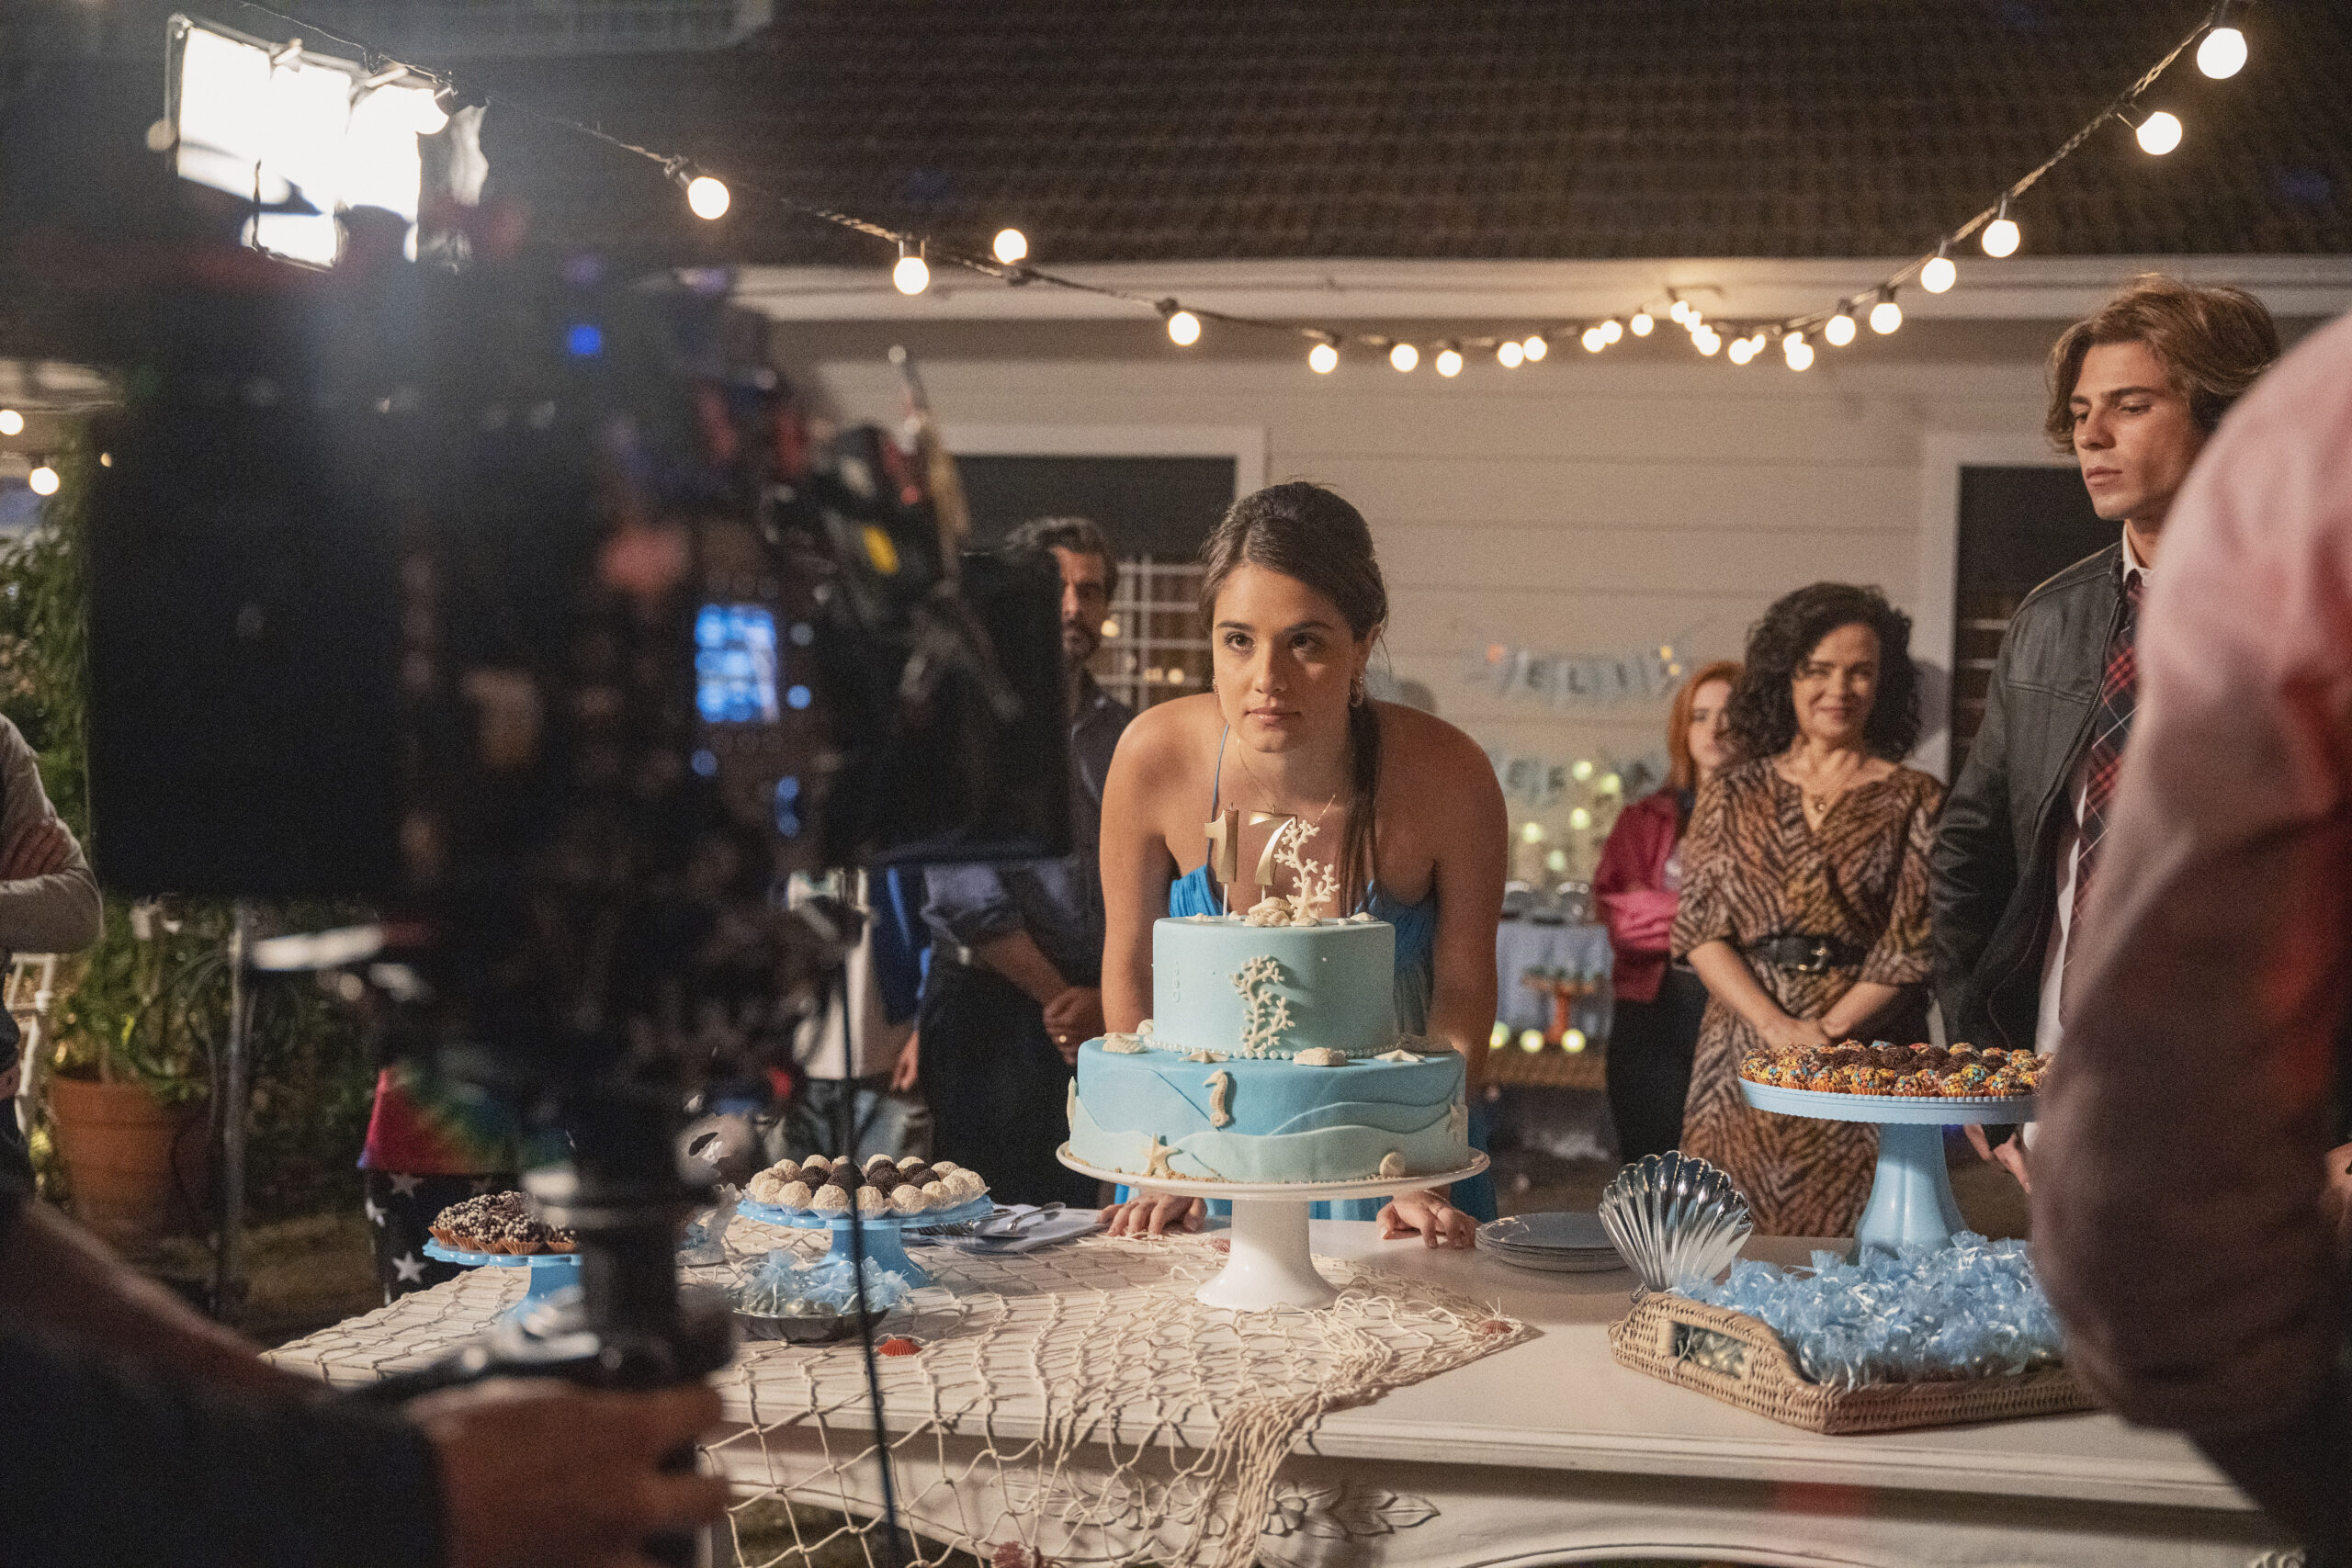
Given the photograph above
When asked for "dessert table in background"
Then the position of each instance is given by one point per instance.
(1526, 950)
(1541, 1450)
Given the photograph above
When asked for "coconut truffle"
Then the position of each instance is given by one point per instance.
(909, 1199)
(794, 1195)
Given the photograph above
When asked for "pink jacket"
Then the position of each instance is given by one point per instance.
(1630, 890)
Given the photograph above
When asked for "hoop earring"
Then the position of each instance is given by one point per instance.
(1356, 691)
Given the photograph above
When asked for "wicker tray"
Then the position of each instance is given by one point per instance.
(1732, 1356)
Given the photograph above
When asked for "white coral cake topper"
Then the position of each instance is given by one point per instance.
(1264, 1015)
(1318, 884)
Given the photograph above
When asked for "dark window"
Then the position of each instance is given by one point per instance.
(1157, 511)
(2018, 526)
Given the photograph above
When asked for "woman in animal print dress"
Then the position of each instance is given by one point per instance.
(1805, 895)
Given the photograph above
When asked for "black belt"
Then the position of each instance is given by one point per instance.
(1805, 954)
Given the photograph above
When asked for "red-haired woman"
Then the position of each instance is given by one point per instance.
(1638, 887)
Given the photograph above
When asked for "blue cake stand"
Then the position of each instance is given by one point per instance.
(881, 1241)
(550, 1271)
(1911, 1201)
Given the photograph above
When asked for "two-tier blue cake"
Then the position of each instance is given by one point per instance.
(1272, 1055)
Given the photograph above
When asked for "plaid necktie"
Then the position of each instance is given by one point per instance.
(2110, 727)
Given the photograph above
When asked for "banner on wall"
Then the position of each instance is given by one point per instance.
(1539, 782)
(1567, 680)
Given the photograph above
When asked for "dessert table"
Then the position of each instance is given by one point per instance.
(1541, 1450)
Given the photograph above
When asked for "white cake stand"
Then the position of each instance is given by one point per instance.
(1268, 1263)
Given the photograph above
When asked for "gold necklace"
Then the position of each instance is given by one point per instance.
(1251, 775)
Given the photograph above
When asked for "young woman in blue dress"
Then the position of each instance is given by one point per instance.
(1405, 807)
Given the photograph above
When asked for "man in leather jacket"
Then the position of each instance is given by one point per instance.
(2135, 391)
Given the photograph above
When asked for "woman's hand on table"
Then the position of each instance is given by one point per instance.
(538, 1470)
(1154, 1213)
(1435, 1220)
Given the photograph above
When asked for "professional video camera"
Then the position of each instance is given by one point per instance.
(524, 606)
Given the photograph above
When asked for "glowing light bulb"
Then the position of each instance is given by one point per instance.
(1939, 274)
(1557, 860)
(1530, 832)
(1322, 359)
(1582, 770)
(2159, 133)
(1679, 312)
(1612, 330)
(912, 275)
(2223, 54)
(1643, 323)
(1742, 351)
(1573, 1042)
(1510, 354)
(1403, 357)
(1501, 1035)
(707, 197)
(1887, 315)
(1610, 783)
(1535, 347)
(43, 481)
(1449, 361)
(1592, 340)
(1183, 329)
(1840, 329)
(1579, 819)
(1531, 1040)
(1012, 247)
(2001, 236)
(11, 422)
(1707, 340)
(1796, 351)
(1111, 627)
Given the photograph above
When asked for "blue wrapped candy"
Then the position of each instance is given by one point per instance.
(1916, 1314)
(782, 1286)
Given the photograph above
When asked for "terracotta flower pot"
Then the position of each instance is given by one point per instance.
(133, 1162)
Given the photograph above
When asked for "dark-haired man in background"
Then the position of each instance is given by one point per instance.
(2135, 388)
(1015, 981)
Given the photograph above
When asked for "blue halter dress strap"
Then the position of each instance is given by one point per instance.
(1195, 893)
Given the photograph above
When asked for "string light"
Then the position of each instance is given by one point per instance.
(1796, 351)
(43, 481)
(2001, 235)
(1937, 273)
(1184, 327)
(1840, 329)
(1742, 351)
(1757, 340)
(912, 275)
(1612, 330)
(11, 422)
(1643, 323)
(1403, 357)
(2157, 133)
(1593, 341)
(1449, 361)
(1012, 247)
(1707, 340)
(707, 197)
(1535, 347)
(1323, 359)
(1679, 314)
(2223, 54)
(1510, 354)
(1887, 315)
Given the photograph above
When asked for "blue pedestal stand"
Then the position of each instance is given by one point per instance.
(550, 1271)
(883, 1247)
(1911, 1201)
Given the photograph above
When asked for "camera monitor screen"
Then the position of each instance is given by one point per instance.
(735, 665)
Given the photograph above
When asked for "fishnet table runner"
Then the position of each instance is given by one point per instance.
(1070, 1405)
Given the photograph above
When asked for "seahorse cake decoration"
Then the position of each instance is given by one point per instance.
(1220, 1086)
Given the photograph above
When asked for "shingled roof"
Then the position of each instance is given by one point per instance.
(1163, 130)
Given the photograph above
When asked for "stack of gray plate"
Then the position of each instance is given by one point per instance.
(1559, 1243)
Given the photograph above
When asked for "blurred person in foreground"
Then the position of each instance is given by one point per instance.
(2135, 388)
(2188, 1209)
(165, 1439)
(49, 903)
(1804, 893)
(1659, 1005)
(1015, 982)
